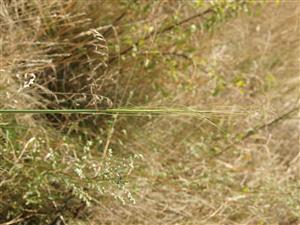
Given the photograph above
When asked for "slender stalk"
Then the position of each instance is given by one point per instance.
(254, 130)
(123, 111)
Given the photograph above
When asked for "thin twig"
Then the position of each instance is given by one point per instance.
(254, 130)
(60, 211)
(163, 30)
(16, 220)
(114, 23)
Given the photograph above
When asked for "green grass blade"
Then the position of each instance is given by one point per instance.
(123, 111)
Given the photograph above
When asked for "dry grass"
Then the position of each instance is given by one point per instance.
(193, 171)
(256, 181)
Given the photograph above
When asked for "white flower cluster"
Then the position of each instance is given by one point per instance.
(27, 80)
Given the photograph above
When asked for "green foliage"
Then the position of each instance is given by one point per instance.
(40, 177)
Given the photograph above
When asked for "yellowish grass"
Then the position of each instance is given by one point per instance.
(238, 162)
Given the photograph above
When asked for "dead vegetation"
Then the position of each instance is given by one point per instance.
(233, 169)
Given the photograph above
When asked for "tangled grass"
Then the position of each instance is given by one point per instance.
(102, 116)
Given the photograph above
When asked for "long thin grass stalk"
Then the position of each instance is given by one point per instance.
(123, 111)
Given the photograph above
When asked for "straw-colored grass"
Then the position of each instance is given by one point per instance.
(156, 112)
